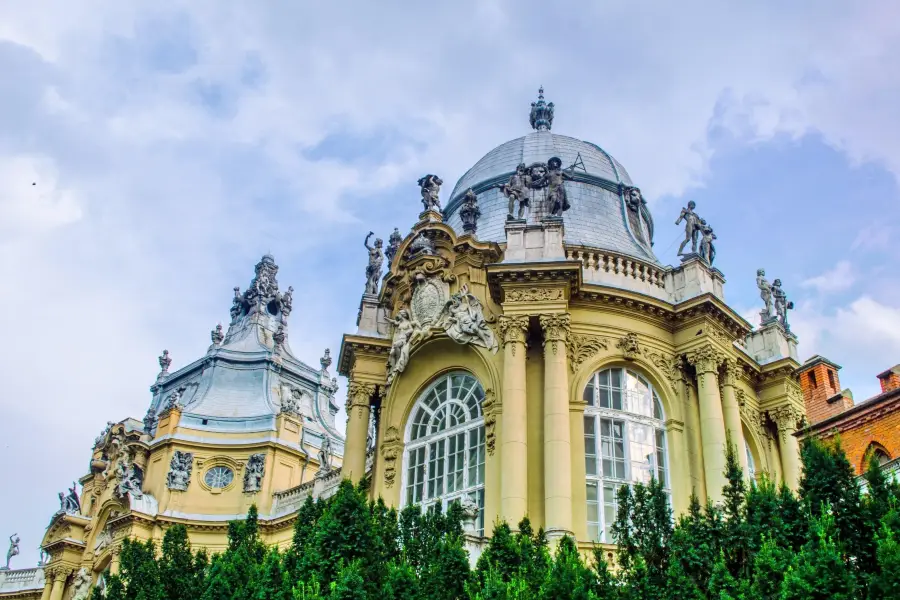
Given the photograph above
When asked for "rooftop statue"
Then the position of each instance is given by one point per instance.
(517, 191)
(637, 204)
(325, 455)
(164, 362)
(431, 189)
(469, 212)
(393, 245)
(69, 503)
(13, 548)
(707, 248)
(765, 292)
(217, 335)
(373, 269)
(691, 227)
(782, 305)
(556, 190)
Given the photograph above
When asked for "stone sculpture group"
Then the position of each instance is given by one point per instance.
(697, 229)
(773, 294)
(522, 184)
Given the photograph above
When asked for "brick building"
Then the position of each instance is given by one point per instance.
(872, 426)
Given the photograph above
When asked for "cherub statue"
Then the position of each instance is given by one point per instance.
(765, 292)
(431, 189)
(373, 269)
(516, 190)
(691, 227)
(406, 331)
(556, 190)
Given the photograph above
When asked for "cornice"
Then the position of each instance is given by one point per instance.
(710, 306)
(501, 275)
(360, 344)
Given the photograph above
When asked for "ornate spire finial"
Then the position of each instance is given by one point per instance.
(541, 113)
(217, 335)
(164, 361)
(325, 361)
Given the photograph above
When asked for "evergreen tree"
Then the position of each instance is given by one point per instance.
(736, 546)
(181, 573)
(885, 582)
(350, 584)
(722, 585)
(819, 571)
(304, 528)
(400, 583)
(769, 565)
(140, 571)
(231, 572)
(568, 577)
(605, 581)
(115, 590)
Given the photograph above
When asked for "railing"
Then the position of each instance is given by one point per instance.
(21, 579)
(602, 261)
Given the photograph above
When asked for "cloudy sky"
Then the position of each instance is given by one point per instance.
(149, 155)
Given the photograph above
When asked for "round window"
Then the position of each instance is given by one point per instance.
(219, 477)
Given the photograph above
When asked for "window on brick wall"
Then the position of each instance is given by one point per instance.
(812, 379)
(831, 379)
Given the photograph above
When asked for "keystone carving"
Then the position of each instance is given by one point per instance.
(556, 329)
(583, 347)
(629, 346)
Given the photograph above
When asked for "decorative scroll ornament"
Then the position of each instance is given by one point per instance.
(583, 347)
(180, 468)
(513, 330)
(253, 474)
(390, 451)
(666, 364)
(705, 359)
(534, 294)
(556, 329)
(489, 407)
(629, 346)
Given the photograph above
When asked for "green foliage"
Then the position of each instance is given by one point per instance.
(761, 543)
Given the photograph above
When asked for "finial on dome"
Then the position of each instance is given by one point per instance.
(541, 113)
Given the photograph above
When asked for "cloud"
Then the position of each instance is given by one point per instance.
(875, 237)
(838, 279)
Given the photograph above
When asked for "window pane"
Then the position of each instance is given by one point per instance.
(590, 446)
(589, 393)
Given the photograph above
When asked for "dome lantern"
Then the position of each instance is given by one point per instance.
(541, 113)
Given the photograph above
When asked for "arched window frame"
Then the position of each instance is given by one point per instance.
(617, 419)
(441, 465)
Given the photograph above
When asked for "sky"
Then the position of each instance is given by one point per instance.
(150, 153)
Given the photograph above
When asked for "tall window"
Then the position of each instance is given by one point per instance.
(751, 464)
(624, 440)
(444, 456)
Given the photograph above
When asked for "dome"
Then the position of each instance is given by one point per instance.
(599, 216)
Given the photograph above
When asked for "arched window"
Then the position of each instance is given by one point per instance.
(444, 455)
(751, 465)
(624, 440)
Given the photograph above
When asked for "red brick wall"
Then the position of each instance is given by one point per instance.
(891, 381)
(879, 425)
(817, 388)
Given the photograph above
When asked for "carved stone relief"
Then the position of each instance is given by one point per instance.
(489, 408)
(629, 346)
(583, 347)
(667, 364)
(390, 451)
(535, 294)
(180, 468)
(513, 330)
(556, 330)
(254, 472)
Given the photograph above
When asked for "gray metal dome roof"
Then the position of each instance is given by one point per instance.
(598, 217)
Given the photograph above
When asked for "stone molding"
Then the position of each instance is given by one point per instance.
(556, 329)
(668, 364)
(533, 294)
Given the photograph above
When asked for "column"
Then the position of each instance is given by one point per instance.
(679, 479)
(48, 585)
(731, 411)
(712, 426)
(514, 444)
(692, 432)
(59, 583)
(557, 441)
(358, 400)
(786, 418)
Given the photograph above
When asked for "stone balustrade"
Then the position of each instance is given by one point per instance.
(618, 270)
(21, 580)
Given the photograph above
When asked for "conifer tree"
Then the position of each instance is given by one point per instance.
(819, 571)
(769, 565)
(735, 543)
(885, 582)
(180, 571)
(568, 577)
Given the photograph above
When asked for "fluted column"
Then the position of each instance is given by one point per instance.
(557, 440)
(359, 397)
(59, 583)
(786, 418)
(712, 426)
(48, 585)
(514, 443)
(731, 411)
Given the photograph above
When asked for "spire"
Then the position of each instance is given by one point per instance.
(541, 113)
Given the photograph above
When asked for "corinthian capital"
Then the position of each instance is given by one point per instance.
(556, 329)
(359, 394)
(513, 328)
(786, 418)
(705, 359)
(731, 372)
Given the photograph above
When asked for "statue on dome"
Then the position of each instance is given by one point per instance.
(431, 189)
(707, 249)
(237, 305)
(325, 455)
(765, 292)
(635, 201)
(556, 190)
(469, 212)
(691, 227)
(287, 301)
(373, 269)
(516, 190)
(393, 245)
(216, 335)
(165, 362)
(782, 305)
